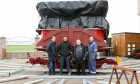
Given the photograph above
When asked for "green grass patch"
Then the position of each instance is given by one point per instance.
(20, 48)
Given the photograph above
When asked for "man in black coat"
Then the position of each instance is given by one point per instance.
(52, 52)
(65, 49)
(79, 54)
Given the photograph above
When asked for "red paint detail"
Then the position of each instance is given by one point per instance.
(73, 34)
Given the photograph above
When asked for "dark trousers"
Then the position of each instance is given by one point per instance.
(52, 67)
(65, 59)
(80, 66)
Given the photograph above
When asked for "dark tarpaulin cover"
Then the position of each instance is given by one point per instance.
(66, 14)
(73, 8)
(94, 22)
(70, 22)
(46, 22)
(82, 22)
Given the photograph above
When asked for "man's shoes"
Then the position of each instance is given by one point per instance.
(78, 73)
(93, 74)
(83, 74)
(69, 73)
(53, 73)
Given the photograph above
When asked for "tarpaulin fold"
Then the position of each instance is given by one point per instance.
(82, 22)
(73, 8)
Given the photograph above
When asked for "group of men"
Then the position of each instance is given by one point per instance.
(78, 53)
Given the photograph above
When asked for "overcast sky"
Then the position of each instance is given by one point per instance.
(20, 17)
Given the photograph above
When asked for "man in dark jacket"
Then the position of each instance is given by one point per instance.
(65, 51)
(79, 54)
(52, 52)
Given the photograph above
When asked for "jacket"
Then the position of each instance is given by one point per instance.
(52, 51)
(65, 48)
(83, 52)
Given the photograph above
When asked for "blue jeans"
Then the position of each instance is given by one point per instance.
(64, 59)
(92, 63)
(52, 67)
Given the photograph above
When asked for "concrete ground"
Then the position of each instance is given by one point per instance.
(36, 72)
